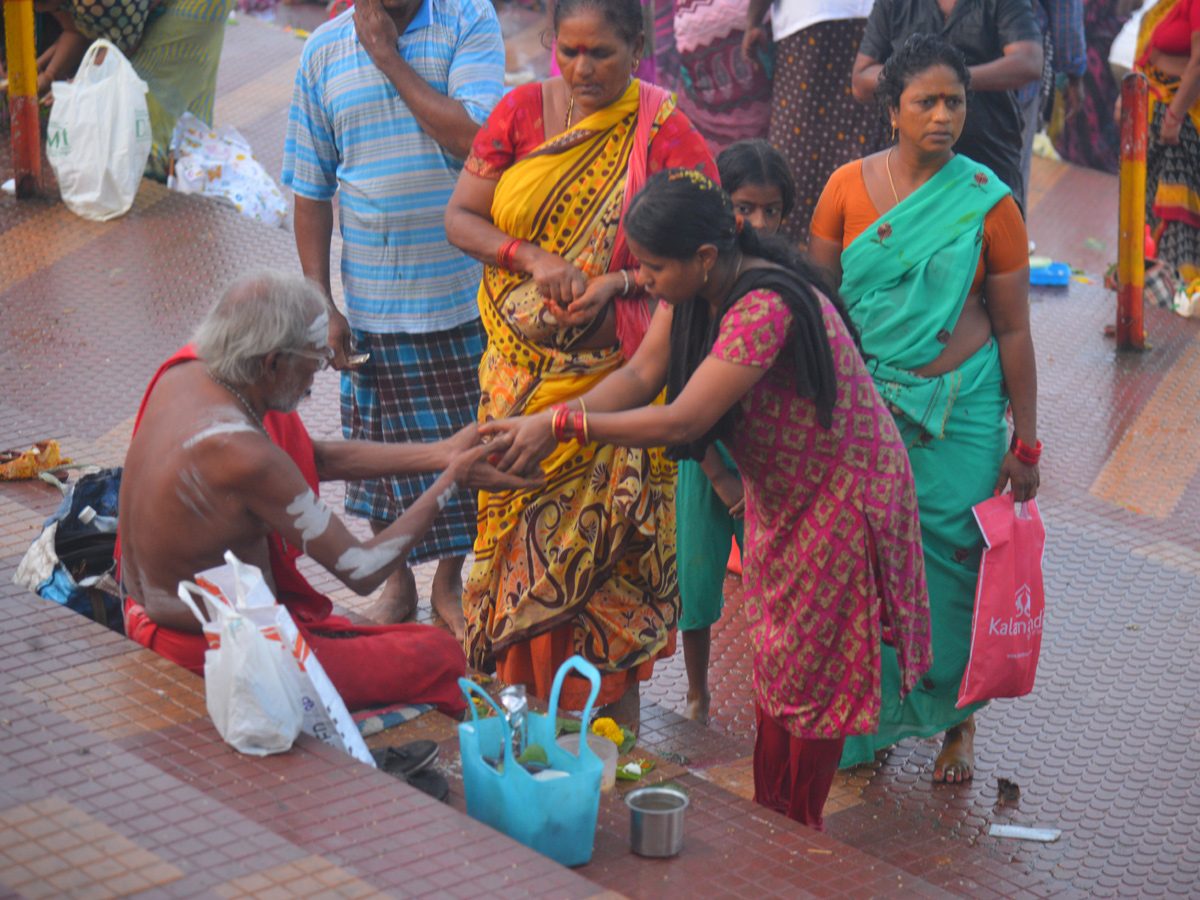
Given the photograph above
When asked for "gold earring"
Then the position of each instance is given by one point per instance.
(706, 276)
(893, 131)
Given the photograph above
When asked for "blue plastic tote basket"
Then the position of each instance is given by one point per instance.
(557, 818)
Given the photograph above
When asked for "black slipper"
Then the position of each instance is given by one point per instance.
(431, 782)
(407, 760)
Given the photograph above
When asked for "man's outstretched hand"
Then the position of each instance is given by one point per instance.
(470, 461)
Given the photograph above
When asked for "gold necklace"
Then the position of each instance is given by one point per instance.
(254, 417)
(570, 112)
(888, 162)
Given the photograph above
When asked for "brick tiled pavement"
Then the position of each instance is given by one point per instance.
(113, 782)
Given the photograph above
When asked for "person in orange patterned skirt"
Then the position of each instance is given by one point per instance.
(586, 566)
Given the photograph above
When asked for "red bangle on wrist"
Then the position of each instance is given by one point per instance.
(1024, 453)
(559, 423)
(507, 253)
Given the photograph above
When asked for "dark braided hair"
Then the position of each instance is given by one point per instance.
(681, 210)
(625, 16)
(920, 53)
(757, 162)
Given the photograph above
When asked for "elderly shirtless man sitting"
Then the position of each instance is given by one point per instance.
(221, 461)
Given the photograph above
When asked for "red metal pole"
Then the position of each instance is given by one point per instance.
(1131, 259)
(22, 97)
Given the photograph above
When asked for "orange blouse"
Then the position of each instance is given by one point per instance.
(845, 211)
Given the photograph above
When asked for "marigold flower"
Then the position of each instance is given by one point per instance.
(606, 727)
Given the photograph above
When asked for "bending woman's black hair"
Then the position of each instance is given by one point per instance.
(757, 162)
(625, 16)
(681, 210)
(918, 54)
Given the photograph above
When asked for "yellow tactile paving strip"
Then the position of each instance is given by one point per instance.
(49, 848)
(56, 233)
(153, 694)
(1157, 458)
(310, 878)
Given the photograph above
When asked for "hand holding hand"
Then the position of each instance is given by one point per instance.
(596, 295)
(529, 440)
(1024, 479)
(472, 468)
(559, 281)
(376, 31)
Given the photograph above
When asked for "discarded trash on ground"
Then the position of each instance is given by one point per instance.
(19, 464)
(1045, 271)
(222, 165)
(1022, 833)
(1010, 791)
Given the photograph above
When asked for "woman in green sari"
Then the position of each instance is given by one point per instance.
(931, 256)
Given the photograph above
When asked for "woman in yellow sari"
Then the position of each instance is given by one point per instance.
(587, 564)
(1168, 54)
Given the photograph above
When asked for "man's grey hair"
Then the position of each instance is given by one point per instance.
(260, 312)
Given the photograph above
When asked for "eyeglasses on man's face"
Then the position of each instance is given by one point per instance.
(323, 357)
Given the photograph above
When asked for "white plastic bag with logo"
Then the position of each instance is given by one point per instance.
(324, 712)
(98, 138)
(250, 695)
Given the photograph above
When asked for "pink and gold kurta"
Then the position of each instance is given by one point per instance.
(831, 531)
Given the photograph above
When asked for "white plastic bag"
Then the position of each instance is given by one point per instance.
(251, 697)
(98, 138)
(222, 165)
(325, 715)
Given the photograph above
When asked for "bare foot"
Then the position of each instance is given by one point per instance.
(697, 706)
(956, 762)
(627, 711)
(446, 595)
(398, 602)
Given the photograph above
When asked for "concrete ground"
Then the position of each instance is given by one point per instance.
(113, 783)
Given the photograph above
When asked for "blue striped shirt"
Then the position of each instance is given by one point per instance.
(349, 130)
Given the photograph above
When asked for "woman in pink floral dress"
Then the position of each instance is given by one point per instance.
(753, 354)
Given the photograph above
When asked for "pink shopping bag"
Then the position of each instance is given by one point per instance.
(1010, 602)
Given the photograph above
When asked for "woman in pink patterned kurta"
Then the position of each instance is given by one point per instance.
(754, 355)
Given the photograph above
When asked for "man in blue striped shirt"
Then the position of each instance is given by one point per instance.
(388, 99)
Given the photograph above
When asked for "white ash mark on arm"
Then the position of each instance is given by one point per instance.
(219, 428)
(363, 562)
(311, 517)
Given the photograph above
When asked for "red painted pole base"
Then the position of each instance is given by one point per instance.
(27, 146)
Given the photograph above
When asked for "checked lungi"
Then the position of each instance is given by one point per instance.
(414, 388)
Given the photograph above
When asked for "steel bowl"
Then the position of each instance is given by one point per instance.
(656, 820)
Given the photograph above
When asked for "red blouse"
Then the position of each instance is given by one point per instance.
(516, 127)
(1173, 35)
